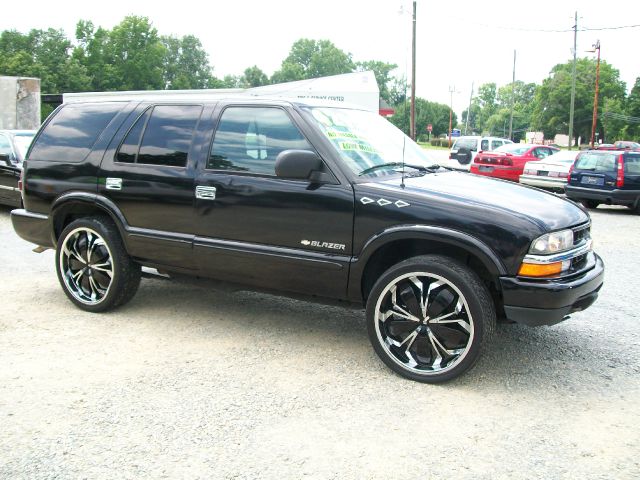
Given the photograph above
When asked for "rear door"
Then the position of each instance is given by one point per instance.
(148, 173)
(253, 227)
(632, 171)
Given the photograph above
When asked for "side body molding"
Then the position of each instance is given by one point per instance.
(425, 233)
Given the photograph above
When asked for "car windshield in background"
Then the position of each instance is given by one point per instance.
(22, 142)
(469, 143)
(599, 162)
(369, 144)
(513, 148)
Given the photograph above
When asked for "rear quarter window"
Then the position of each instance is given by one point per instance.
(72, 132)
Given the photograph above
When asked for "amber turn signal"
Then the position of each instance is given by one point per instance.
(540, 269)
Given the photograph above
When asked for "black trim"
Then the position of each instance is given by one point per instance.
(33, 227)
(283, 253)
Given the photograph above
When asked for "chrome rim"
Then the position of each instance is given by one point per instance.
(86, 265)
(423, 323)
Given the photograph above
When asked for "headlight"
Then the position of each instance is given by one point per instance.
(552, 243)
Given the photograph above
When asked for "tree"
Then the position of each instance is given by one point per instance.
(382, 72)
(552, 103)
(633, 110)
(313, 59)
(436, 114)
(254, 77)
(186, 64)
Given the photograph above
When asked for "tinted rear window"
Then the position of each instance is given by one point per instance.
(71, 134)
(598, 162)
(470, 143)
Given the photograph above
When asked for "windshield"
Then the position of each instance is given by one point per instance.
(463, 142)
(562, 157)
(365, 140)
(513, 148)
(22, 142)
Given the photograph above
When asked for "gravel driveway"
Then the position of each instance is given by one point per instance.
(189, 382)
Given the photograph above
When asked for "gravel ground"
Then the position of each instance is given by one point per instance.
(188, 382)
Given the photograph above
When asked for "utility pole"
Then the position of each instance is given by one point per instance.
(596, 47)
(466, 124)
(513, 90)
(573, 80)
(412, 126)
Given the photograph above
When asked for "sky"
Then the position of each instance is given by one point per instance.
(458, 43)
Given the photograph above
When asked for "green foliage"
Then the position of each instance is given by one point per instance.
(436, 114)
(552, 101)
(633, 110)
(382, 72)
(186, 64)
(313, 59)
(254, 77)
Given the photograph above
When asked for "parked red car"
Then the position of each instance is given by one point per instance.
(621, 145)
(507, 162)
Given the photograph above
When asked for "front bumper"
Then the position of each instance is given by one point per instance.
(547, 302)
(32, 227)
(611, 197)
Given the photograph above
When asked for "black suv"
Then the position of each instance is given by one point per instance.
(324, 201)
(611, 177)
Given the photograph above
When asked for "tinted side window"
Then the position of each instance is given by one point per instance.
(495, 144)
(71, 134)
(5, 147)
(129, 148)
(484, 145)
(249, 139)
(167, 138)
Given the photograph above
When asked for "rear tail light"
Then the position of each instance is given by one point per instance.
(562, 175)
(21, 181)
(620, 176)
(529, 172)
(504, 161)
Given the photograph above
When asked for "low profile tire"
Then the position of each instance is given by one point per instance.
(429, 318)
(93, 267)
(591, 204)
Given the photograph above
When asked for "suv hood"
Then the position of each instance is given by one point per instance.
(470, 192)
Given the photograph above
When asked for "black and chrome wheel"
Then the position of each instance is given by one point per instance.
(429, 317)
(93, 267)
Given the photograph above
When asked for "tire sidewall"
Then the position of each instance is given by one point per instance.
(436, 267)
(98, 226)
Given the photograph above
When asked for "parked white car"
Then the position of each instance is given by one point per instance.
(552, 172)
(465, 149)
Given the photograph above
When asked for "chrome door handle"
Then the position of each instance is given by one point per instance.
(205, 193)
(113, 183)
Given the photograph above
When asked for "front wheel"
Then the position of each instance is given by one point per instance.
(429, 318)
(93, 267)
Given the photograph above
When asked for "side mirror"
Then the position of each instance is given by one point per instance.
(5, 160)
(300, 165)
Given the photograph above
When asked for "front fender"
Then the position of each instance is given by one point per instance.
(455, 238)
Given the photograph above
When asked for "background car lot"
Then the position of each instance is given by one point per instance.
(191, 382)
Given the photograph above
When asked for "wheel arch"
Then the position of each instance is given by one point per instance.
(400, 243)
(73, 205)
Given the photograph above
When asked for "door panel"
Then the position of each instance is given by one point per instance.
(259, 229)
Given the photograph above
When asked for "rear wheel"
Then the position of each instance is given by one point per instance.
(592, 204)
(93, 267)
(429, 318)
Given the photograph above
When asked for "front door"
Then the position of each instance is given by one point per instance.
(255, 228)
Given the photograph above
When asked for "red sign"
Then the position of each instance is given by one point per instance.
(429, 128)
